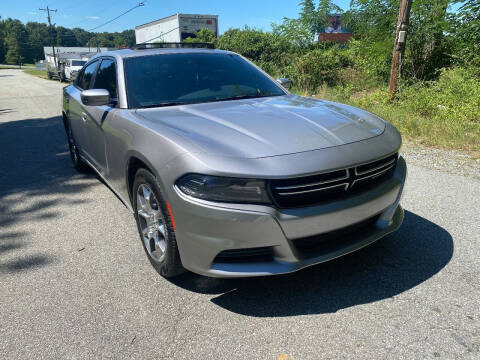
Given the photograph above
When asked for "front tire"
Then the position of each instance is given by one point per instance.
(77, 162)
(155, 226)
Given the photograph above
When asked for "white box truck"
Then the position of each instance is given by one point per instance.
(175, 28)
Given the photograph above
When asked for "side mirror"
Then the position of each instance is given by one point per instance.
(286, 83)
(95, 97)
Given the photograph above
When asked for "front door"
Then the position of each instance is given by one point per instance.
(77, 114)
(100, 116)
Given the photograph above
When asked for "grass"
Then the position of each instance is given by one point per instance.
(13, 66)
(444, 114)
(39, 73)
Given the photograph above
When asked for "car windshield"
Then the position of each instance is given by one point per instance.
(78, 63)
(187, 78)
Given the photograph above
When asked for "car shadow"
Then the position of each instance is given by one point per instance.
(35, 158)
(36, 176)
(5, 111)
(393, 265)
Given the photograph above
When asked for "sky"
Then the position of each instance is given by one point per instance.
(88, 14)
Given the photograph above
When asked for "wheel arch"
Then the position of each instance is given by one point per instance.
(136, 161)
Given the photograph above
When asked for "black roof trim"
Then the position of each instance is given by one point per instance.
(174, 45)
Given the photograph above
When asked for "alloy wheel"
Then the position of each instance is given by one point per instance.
(152, 223)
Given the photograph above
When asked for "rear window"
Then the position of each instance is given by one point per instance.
(78, 63)
(186, 78)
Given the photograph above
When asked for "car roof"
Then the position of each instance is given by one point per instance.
(128, 53)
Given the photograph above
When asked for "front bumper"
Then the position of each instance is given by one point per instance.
(205, 229)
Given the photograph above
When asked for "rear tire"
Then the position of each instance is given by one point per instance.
(77, 162)
(155, 226)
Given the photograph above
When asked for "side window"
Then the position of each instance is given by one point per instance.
(85, 77)
(79, 79)
(107, 77)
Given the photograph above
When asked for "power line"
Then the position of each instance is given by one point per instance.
(126, 12)
(83, 20)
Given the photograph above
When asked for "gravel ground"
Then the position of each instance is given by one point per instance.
(451, 161)
(75, 283)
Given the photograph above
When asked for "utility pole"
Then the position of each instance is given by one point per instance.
(399, 47)
(51, 35)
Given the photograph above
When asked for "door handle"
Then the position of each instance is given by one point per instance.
(84, 117)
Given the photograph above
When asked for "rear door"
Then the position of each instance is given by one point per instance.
(100, 117)
(77, 115)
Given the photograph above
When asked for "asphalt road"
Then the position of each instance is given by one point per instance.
(75, 282)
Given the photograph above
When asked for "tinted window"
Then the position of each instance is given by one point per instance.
(107, 77)
(85, 77)
(78, 63)
(169, 79)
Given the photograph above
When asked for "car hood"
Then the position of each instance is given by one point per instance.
(263, 127)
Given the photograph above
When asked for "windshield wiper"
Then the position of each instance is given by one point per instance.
(163, 104)
(239, 97)
(236, 97)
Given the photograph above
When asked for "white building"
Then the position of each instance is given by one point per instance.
(175, 28)
(65, 52)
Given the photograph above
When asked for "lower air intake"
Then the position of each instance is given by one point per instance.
(245, 255)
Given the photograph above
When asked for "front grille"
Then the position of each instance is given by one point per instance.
(325, 243)
(335, 185)
(245, 255)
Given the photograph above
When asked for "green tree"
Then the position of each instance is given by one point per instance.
(104, 39)
(373, 19)
(269, 50)
(16, 41)
(203, 36)
(2, 41)
(38, 37)
(128, 37)
(295, 31)
(65, 37)
(309, 16)
(428, 47)
(82, 36)
(466, 28)
(302, 31)
(324, 10)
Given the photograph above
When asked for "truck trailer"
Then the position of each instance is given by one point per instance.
(175, 28)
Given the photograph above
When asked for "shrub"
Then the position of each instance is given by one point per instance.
(444, 112)
(372, 57)
(203, 36)
(316, 68)
(256, 45)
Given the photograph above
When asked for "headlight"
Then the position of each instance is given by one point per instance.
(223, 189)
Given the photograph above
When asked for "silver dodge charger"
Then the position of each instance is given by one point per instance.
(226, 173)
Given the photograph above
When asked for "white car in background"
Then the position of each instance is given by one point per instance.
(72, 67)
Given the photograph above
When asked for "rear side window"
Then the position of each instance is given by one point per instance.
(85, 78)
(107, 77)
